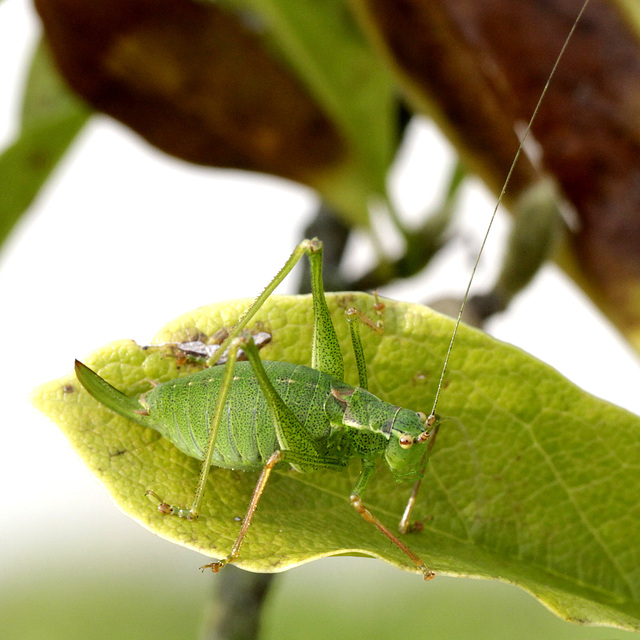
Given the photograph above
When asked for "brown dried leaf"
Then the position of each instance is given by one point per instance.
(194, 81)
(480, 66)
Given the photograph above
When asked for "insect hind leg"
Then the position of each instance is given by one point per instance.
(326, 354)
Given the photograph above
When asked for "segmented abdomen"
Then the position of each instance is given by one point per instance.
(182, 411)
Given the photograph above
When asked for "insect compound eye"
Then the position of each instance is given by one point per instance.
(406, 442)
(422, 416)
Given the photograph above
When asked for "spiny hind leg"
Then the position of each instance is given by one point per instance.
(296, 448)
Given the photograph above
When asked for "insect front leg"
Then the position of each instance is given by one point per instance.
(406, 526)
(368, 469)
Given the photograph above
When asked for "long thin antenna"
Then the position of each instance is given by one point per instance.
(498, 203)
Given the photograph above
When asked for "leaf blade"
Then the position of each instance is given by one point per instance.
(532, 480)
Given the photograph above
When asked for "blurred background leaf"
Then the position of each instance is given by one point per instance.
(480, 79)
(51, 119)
(287, 89)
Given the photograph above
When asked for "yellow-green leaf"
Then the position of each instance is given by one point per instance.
(531, 480)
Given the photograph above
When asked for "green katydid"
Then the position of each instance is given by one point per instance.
(328, 424)
(306, 418)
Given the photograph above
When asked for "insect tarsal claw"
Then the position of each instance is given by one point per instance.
(428, 574)
(214, 566)
(163, 507)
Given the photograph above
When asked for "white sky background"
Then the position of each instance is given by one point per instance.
(90, 265)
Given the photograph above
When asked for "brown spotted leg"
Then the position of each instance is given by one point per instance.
(273, 460)
(358, 505)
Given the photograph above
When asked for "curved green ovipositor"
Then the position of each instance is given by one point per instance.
(532, 480)
(108, 395)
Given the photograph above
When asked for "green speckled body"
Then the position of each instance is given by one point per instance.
(259, 414)
(181, 410)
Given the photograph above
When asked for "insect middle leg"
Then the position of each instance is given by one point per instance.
(357, 503)
(273, 460)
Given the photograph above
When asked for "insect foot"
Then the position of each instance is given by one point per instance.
(216, 566)
(169, 509)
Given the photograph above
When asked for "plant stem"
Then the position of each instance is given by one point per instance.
(238, 605)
